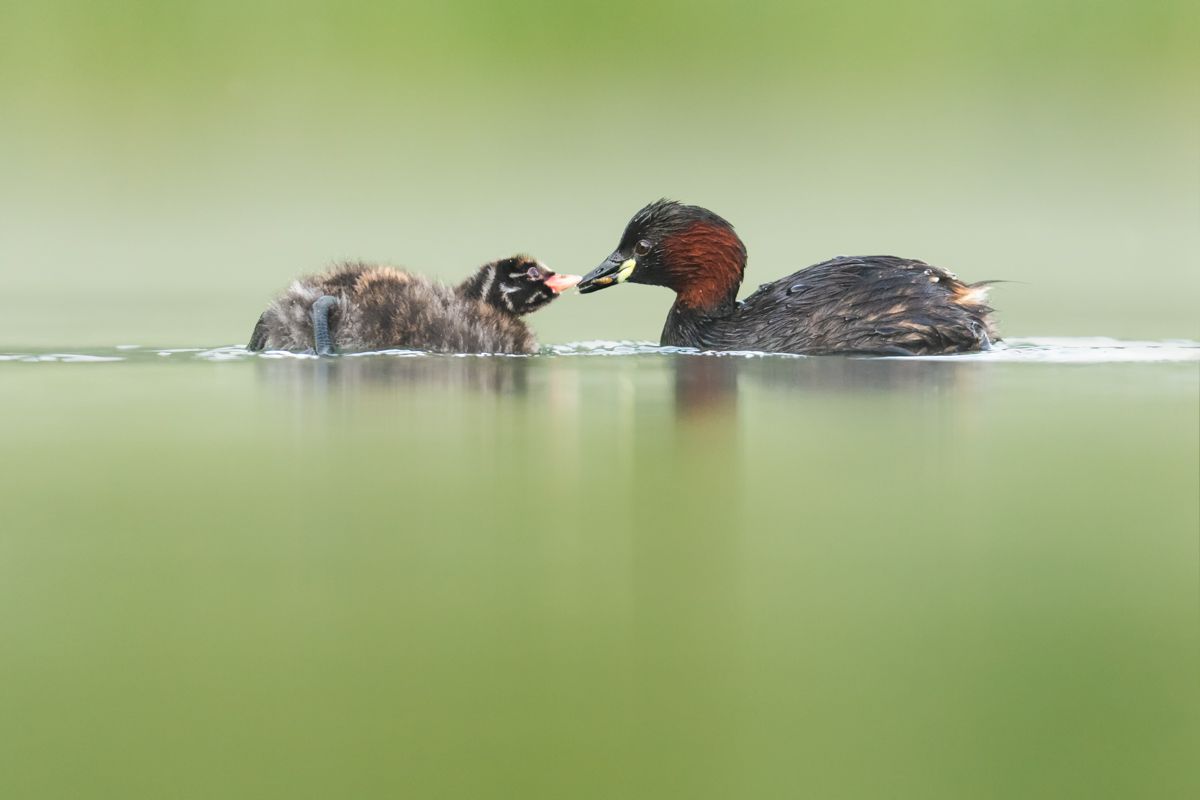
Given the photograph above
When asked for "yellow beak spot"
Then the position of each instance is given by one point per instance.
(626, 270)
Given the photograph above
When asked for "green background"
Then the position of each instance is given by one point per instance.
(576, 576)
(168, 166)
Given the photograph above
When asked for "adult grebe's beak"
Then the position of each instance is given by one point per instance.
(615, 269)
(559, 282)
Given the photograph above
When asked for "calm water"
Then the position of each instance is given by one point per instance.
(607, 571)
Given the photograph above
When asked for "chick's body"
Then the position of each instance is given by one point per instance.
(382, 307)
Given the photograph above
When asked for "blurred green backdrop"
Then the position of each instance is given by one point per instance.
(168, 165)
(573, 577)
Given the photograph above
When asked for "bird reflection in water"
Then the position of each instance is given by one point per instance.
(707, 385)
(498, 375)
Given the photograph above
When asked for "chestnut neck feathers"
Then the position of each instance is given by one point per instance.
(692, 251)
(705, 264)
(849, 304)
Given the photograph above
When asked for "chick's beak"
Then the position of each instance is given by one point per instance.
(558, 282)
(615, 269)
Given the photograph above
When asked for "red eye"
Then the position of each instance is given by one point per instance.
(534, 273)
(642, 247)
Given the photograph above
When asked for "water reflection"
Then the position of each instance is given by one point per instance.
(700, 387)
(837, 374)
(708, 386)
(487, 375)
(705, 387)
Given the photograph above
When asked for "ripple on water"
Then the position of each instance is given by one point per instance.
(1081, 350)
(1043, 350)
(60, 358)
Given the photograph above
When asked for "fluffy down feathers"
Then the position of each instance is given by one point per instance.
(384, 308)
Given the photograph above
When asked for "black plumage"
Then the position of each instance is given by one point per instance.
(849, 304)
(857, 304)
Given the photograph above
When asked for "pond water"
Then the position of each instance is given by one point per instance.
(605, 571)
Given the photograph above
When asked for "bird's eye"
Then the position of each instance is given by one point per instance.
(535, 273)
(642, 247)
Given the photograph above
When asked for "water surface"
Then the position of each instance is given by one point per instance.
(604, 571)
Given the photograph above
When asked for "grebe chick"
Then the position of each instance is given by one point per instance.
(360, 307)
(882, 305)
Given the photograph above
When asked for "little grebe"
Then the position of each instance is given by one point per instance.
(850, 304)
(366, 307)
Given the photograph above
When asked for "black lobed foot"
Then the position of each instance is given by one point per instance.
(320, 319)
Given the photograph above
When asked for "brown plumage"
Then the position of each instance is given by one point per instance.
(379, 308)
(850, 304)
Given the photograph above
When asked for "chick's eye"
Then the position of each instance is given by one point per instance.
(642, 247)
(534, 273)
